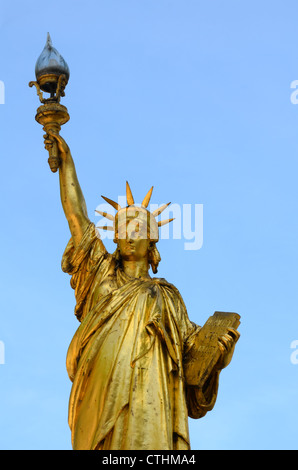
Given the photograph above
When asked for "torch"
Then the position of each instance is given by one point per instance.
(52, 74)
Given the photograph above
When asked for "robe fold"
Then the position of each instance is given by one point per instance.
(126, 357)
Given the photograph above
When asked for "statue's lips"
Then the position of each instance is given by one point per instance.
(130, 246)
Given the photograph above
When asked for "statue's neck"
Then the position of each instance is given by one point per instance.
(136, 269)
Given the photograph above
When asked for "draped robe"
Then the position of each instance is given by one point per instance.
(126, 357)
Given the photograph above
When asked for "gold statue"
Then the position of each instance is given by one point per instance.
(139, 366)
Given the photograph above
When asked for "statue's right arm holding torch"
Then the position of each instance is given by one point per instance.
(73, 201)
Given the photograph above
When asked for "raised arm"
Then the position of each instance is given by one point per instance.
(72, 198)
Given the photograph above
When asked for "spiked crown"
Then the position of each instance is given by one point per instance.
(141, 218)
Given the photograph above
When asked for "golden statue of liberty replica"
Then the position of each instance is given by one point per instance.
(139, 366)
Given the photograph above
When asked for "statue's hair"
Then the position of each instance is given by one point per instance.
(154, 257)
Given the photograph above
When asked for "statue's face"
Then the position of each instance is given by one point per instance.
(133, 242)
(134, 249)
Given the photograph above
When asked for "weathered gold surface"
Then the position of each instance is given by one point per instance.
(139, 366)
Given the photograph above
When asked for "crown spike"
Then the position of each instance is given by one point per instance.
(147, 198)
(112, 203)
(160, 209)
(164, 222)
(129, 196)
(106, 215)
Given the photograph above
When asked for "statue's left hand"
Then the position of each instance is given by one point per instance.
(226, 345)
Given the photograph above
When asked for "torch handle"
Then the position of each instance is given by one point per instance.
(52, 116)
(54, 159)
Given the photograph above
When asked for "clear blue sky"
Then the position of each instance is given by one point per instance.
(192, 97)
